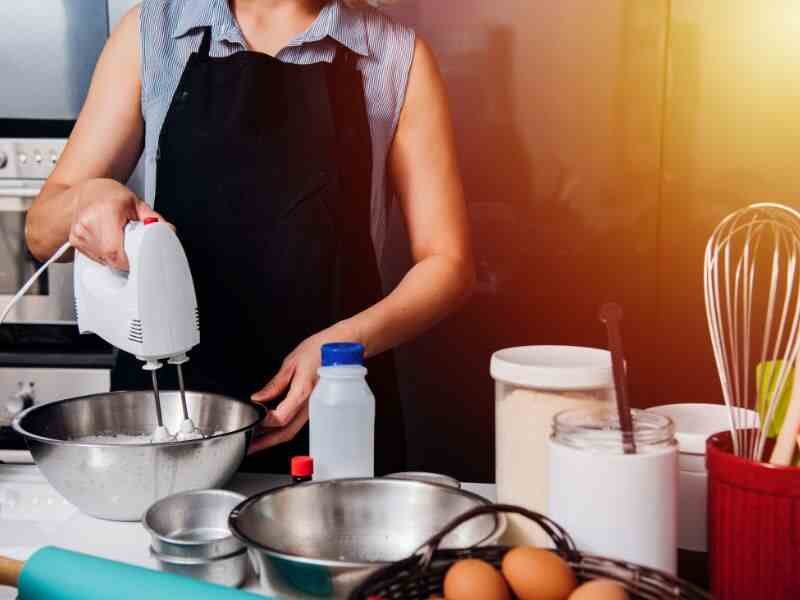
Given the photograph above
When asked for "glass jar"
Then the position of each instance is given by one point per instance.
(616, 504)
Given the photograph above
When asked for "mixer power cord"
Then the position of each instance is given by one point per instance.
(23, 290)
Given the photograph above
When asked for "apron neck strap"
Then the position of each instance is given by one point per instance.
(205, 44)
(345, 58)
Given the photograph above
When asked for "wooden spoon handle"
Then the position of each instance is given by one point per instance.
(10, 570)
(787, 436)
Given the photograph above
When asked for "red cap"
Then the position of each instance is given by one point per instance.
(149, 220)
(302, 466)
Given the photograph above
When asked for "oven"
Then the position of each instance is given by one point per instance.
(25, 162)
(48, 50)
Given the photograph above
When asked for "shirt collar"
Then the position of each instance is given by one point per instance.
(342, 23)
(195, 14)
(335, 20)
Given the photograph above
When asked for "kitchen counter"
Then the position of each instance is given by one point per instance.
(33, 514)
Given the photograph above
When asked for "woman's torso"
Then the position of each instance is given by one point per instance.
(172, 29)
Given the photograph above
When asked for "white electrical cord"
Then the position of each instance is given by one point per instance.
(58, 254)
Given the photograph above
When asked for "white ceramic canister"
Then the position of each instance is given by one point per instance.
(532, 385)
(694, 424)
(617, 505)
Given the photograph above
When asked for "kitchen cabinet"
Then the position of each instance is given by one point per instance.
(601, 143)
(558, 113)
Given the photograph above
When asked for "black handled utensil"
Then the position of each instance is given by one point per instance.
(611, 315)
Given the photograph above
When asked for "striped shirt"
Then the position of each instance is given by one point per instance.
(171, 30)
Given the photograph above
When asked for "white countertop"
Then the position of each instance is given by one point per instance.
(33, 514)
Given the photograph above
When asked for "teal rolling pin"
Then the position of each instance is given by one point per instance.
(56, 574)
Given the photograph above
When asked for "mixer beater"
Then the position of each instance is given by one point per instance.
(187, 429)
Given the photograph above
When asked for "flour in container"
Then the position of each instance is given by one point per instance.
(524, 423)
(532, 385)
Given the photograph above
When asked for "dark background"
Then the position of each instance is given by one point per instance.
(600, 144)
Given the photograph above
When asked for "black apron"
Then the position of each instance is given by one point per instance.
(265, 169)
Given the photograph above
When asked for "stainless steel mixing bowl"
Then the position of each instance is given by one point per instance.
(119, 482)
(324, 538)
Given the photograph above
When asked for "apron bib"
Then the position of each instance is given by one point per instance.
(265, 169)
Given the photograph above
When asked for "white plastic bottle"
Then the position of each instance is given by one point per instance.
(342, 415)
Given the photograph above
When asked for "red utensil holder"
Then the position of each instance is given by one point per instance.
(753, 525)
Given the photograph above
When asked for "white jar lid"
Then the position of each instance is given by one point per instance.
(695, 423)
(554, 367)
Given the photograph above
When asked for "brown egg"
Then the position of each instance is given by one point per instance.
(473, 579)
(600, 589)
(537, 574)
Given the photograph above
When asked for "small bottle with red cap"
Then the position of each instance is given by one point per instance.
(302, 469)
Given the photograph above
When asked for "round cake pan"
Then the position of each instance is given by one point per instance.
(193, 524)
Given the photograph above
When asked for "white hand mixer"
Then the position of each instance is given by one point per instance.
(150, 311)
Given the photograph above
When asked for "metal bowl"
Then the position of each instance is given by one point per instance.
(232, 570)
(193, 524)
(425, 476)
(323, 538)
(119, 482)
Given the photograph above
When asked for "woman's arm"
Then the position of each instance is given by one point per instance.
(82, 199)
(424, 170)
(422, 164)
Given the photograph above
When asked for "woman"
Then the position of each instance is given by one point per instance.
(275, 134)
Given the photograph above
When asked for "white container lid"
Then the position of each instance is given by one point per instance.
(554, 367)
(695, 423)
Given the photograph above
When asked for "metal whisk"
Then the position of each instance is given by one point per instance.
(752, 251)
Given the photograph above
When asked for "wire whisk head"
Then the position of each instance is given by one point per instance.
(752, 294)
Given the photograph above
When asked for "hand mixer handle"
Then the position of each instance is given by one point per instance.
(104, 280)
(151, 311)
(99, 286)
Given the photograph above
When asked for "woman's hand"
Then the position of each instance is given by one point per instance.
(102, 209)
(298, 374)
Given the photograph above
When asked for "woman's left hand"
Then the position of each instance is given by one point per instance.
(298, 375)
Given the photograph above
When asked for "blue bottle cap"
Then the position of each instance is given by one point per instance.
(342, 354)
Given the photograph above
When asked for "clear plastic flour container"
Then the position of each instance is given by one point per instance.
(532, 385)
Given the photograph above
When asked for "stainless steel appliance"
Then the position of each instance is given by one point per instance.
(22, 387)
(48, 49)
(25, 162)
